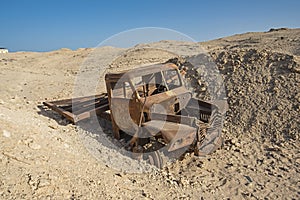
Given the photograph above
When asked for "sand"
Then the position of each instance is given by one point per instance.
(44, 157)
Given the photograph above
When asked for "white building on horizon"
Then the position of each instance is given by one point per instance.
(3, 50)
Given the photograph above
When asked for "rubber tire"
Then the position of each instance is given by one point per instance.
(155, 159)
(209, 146)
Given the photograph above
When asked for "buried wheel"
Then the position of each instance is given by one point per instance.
(210, 139)
(209, 146)
(156, 159)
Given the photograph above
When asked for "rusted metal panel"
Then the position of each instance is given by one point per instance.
(129, 74)
(180, 119)
(126, 114)
(80, 108)
(176, 135)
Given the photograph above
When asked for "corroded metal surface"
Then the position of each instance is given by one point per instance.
(147, 102)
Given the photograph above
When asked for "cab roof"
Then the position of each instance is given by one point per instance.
(141, 71)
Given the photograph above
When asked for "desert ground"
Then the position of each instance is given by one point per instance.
(43, 156)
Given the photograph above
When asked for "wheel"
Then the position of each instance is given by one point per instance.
(156, 159)
(209, 146)
(213, 139)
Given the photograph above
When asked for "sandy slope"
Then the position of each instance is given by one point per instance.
(43, 156)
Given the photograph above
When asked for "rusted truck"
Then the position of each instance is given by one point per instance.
(147, 104)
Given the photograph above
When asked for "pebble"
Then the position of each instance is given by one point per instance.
(297, 70)
(233, 140)
(233, 147)
(6, 133)
(199, 70)
(238, 144)
(34, 146)
(52, 126)
(44, 182)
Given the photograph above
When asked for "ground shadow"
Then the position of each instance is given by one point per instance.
(51, 114)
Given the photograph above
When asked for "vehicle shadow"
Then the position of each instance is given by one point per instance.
(51, 114)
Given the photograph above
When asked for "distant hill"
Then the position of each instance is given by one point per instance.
(281, 40)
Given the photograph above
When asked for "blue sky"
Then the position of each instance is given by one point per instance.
(44, 25)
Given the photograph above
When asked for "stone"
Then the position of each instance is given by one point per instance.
(296, 69)
(233, 140)
(52, 126)
(34, 146)
(6, 133)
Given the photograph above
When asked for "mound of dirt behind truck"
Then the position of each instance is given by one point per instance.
(151, 107)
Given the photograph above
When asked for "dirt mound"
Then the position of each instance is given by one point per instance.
(263, 90)
(281, 40)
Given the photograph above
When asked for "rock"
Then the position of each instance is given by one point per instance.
(34, 146)
(143, 193)
(6, 133)
(238, 144)
(199, 70)
(248, 178)
(233, 147)
(52, 126)
(44, 182)
(296, 69)
(233, 141)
